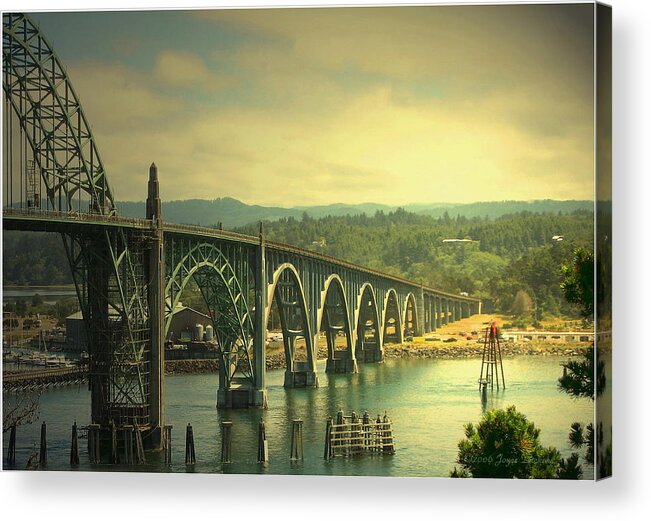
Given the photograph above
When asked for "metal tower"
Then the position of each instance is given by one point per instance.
(491, 359)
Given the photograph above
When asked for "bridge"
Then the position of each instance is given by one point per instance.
(130, 274)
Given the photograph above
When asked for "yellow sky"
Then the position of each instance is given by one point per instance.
(317, 106)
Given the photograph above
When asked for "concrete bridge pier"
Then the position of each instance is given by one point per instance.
(156, 303)
(236, 394)
(439, 312)
(420, 313)
(465, 310)
(258, 397)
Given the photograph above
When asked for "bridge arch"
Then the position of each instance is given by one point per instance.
(367, 320)
(52, 120)
(227, 307)
(410, 316)
(333, 317)
(286, 290)
(392, 323)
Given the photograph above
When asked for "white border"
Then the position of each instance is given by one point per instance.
(66, 495)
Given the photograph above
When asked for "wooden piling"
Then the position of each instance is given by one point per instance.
(190, 458)
(140, 448)
(74, 446)
(296, 451)
(93, 444)
(338, 427)
(167, 443)
(366, 421)
(127, 439)
(114, 444)
(387, 441)
(11, 450)
(327, 450)
(227, 439)
(263, 446)
(42, 455)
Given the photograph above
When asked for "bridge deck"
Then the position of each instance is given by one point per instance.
(51, 221)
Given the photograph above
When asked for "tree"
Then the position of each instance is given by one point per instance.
(20, 409)
(578, 378)
(37, 300)
(505, 445)
(578, 281)
(522, 304)
(21, 308)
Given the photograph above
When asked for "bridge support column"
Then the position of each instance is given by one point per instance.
(446, 311)
(432, 313)
(259, 394)
(465, 309)
(420, 313)
(156, 303)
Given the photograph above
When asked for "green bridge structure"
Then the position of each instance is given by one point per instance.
(130, 274)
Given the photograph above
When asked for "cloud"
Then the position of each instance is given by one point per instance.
(388, 105)
(115, 97)
(184, 69)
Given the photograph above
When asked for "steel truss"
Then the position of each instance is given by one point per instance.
(52, 119)
(109, 273)
(223, 274)
(107, 266)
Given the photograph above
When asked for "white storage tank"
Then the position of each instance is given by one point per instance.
(209, 333)
(198, 332)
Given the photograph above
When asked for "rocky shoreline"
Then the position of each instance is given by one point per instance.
(276, 360)
(453, 350)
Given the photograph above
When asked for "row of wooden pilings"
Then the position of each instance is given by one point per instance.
(347, 436)
(130, 436)
(296, 452)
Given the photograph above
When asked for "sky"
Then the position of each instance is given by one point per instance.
(295, 107)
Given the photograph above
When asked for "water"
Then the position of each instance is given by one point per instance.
(429, 401)
(49, 294)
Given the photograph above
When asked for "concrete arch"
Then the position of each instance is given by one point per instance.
(295, 323)
(410, 321)
(392, 312)
(367, 349)
(339, 361)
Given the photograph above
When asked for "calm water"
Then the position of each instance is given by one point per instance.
(429, 401)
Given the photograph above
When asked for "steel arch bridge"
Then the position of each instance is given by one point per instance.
(130, 273)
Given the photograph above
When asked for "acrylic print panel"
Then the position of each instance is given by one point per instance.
(344, 241)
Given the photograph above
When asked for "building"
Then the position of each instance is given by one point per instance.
(549, 336)
(76, 339)
(188, 325)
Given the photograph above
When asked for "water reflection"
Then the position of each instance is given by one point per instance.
(429, 402)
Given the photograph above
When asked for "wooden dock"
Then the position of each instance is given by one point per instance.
(358, 435)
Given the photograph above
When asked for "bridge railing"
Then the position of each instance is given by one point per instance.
(132, 222)
(42, 374)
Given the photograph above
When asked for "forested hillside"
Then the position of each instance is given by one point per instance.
(512, 255)
(505, 255)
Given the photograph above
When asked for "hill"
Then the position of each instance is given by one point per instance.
(233, 213)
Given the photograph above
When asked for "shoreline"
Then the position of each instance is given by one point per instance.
(416, 350)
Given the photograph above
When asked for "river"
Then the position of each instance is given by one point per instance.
(428, 400)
